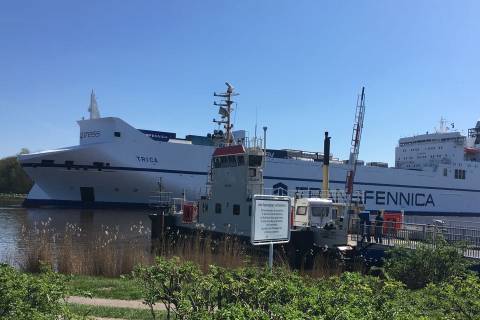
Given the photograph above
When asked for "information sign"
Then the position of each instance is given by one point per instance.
(270, 219)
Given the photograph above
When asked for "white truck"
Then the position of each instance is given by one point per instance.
(329, 221)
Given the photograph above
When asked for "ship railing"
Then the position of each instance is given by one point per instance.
(415, 235)
(337, 196)
(305, 155)
(253, 142)
(460, 223)
(168, 204)
(160, 199)
(256, 142)
(178, 204)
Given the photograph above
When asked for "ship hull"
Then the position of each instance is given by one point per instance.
(132, 168)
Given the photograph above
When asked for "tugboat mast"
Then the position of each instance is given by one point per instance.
(225, 111)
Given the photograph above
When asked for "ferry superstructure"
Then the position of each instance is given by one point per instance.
(116, 164)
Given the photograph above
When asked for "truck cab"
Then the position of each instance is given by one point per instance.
(326, 219)
(312, 212)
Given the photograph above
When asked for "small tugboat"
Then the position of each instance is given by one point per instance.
(236, 177)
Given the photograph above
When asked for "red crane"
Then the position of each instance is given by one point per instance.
(355, 147)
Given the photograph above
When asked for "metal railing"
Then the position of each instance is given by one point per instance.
(160, 199)
(460, 224)
(335, 195)
(413, 235)
(252, 142)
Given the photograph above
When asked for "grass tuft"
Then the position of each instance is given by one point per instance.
(110, 312)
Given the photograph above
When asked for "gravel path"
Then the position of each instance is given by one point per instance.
(115, 303)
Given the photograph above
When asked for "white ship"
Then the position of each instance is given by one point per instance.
(116, 164)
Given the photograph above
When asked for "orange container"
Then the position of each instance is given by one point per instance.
(189, 213)
(393, 222)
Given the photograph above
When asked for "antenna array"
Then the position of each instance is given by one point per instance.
(225, 111)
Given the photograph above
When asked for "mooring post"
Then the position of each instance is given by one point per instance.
(270, 256)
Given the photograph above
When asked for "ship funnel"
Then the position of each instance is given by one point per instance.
(326, 163)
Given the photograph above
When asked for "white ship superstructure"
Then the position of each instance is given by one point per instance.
(116, 164)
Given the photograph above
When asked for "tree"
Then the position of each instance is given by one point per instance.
(12, 177)
(23, 151)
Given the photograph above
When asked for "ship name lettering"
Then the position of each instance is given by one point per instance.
(89, 134)
(399, 198)
(147, 159)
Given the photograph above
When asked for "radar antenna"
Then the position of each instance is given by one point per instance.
(444, 126)
(355, 148)
(93, 108)
(225, 111)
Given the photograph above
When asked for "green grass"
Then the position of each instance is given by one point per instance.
(109, 288)
(110, 312)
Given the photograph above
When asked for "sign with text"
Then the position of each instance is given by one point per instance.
(270, 219)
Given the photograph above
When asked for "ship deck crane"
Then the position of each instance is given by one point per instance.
(355, 145)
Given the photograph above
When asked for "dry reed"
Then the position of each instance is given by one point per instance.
(108, 252)
(205, 248)
(76, 251)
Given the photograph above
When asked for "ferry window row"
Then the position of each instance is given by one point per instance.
(460, 174)
(236, 161)
(69, 164)
(455, 139)
(426, 148)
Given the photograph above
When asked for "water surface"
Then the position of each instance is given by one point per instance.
(21, 227)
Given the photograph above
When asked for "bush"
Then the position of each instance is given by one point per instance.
(252, 293)
(38, 297)
(457, 299)
(353, 296)
(427, 264)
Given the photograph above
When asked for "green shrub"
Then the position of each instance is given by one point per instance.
(252, 293)
(458, 298)
(24, 296)
(427, 264)
(353, 296)
(169, 282)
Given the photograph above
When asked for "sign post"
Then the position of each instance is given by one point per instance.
(270, 222)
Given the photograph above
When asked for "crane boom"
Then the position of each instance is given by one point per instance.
(355, 147)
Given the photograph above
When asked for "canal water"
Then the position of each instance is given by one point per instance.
(17, 225)
(21, 227)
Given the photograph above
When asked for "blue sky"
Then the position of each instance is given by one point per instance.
(301, 64)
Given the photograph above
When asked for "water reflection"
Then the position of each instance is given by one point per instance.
(16, 221)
